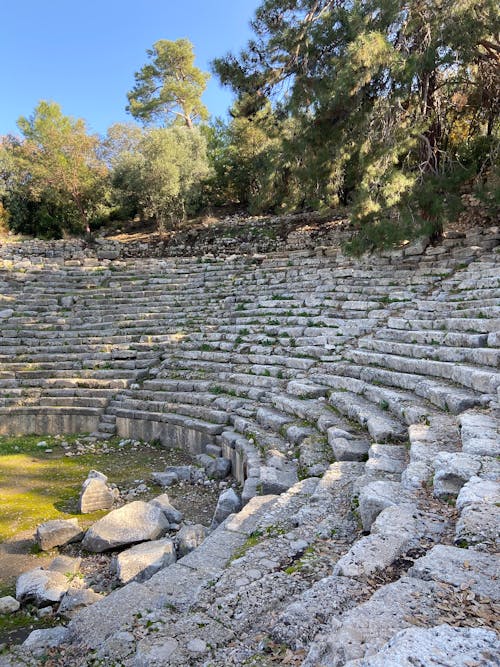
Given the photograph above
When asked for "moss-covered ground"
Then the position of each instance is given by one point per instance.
(39, 483)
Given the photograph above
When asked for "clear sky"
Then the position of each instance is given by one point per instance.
(83, 53)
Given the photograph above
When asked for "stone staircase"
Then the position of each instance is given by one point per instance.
(358, 403)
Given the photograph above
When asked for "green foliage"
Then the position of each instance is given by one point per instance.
(169, 85)
(162, 177)
(52, 176)
(385, 101)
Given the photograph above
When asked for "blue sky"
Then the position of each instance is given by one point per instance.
(83, 53)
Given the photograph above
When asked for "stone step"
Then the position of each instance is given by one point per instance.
(441, 394)
(477, 356)
(472, 377)
(381, 426)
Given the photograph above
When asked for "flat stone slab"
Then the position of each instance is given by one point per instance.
(460, 567)
(440, 646)
(135, 522)
(57, 533)
(139, 563)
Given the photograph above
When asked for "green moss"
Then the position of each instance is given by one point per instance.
(36, 486)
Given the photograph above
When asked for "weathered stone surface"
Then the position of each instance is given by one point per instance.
(41, 586)
(479, 433)
(165, 478)
(95, 494)
(218, 468)
(302, 619)
(365, 628)
(229, 502)
(58, 532)
(274, 481)
(459, 567)
(8, 605)
(477, 490)
(440, 646)
(375, 497)
(452, 471)
(372, 553)
(135, 522)
(190, 537)
(139, 563)
(172, 514)
(65, 565)
(39, 641)
(75, 599)
(479, 524)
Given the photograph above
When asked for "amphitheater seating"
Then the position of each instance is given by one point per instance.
(377, 376)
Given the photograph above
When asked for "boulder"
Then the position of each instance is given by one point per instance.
(135, 522)
(8, 605)
(190, 537)
(58, 533)
(164, 478)
(218, 468)
(95, 494)
(229, 502)
(172, 514)
(139, 563)
(41, 587)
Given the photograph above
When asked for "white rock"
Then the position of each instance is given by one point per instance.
(440, 646)
(477, 490)
(8, 605)
(41, 586)
(142, 561)
(135, 522)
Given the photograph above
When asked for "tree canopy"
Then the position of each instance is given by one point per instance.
(169, 86)
(54, 166)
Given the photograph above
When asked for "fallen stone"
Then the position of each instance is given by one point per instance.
(41, 587)
(95, 494)
(440, 646)
(8, 605)
(218, 468)
(189, 538)
(75, 599)
(229, 502)
(39, 641)
(139, 563)
(183, 473)
(164, 478)
(135, 522)
(57, 533)
(172, 514)
(65, 565)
